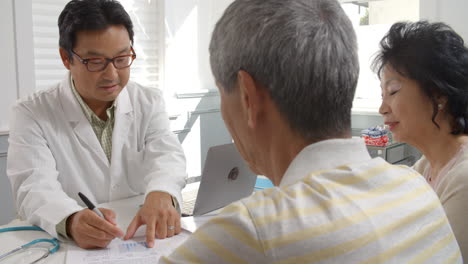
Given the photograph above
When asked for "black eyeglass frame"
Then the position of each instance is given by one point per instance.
(86, 61)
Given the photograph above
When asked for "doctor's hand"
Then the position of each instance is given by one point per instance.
(161, 218)
(89, 230)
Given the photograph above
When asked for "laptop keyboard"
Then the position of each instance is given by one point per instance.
(189, 198)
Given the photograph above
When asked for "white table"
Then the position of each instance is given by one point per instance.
(125, 210)
(14, 239)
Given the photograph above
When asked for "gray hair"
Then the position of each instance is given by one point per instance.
(303, 51)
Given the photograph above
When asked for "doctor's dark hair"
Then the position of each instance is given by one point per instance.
(304, 52)
(90, 15)
(433, 55)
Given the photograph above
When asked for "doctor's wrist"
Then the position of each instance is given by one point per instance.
(159, 196)
(69, 221)
(62, 228)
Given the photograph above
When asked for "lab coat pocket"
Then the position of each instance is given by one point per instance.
(136, 170)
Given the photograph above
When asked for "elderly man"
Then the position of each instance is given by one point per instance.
(287, 72)
(97, 133)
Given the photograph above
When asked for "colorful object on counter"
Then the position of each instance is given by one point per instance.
(375, 136)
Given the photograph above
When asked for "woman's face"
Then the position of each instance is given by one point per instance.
(405, 108)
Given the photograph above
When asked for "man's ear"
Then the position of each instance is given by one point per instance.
(251, 95)
(65, 58)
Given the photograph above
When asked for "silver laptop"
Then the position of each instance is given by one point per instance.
(226, 178)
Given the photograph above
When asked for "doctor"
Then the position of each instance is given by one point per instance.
(97, 133)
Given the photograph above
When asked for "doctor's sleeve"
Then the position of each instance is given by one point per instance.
(31, 169)
(165, 168)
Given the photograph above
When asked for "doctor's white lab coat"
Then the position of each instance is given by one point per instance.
(54, 153)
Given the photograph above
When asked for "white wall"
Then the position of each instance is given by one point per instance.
(10, 71)
(8, 66)
(7, 96)
(17, 69)
(452, 12)
(7, 209)
(189, 24)
(391, 11)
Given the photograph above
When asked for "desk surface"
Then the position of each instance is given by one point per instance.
(125, 210)
(11, 240)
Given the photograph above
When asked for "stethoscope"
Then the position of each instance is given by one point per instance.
(53, 241)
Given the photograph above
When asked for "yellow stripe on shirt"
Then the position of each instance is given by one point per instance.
(353, 178)
(300, 212)
(371, 172)
(407, 243)
(351, 245)
(237, 232)
(216, 247)
(454, 258)
(344, 222)
(426, 254)
(187, 254)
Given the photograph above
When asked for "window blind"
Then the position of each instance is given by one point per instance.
(148, 22)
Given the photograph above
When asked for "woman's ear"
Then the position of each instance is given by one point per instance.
(441, 102)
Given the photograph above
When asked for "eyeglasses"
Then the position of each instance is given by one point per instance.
(99, 64)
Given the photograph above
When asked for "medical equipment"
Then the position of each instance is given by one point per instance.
(24, 247)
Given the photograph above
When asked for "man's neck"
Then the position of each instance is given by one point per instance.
(279, 146)
(99, 108)
(282, 155)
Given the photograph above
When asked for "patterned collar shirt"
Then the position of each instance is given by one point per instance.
(102, 128)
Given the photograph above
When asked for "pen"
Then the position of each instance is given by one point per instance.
(90, 204)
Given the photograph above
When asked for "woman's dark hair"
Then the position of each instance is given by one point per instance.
(433, 55)
(79, 15)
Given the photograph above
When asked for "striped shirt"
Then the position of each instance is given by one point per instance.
(334, 205)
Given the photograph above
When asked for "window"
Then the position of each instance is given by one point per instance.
(148, 23)
(189, 24)
(371, 20)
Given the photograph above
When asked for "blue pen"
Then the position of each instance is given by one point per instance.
(90, 204)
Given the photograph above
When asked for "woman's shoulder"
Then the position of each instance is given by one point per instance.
(421, 165)
(454, 184)
(460, 168)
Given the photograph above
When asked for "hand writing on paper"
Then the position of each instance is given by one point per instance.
(161, 218)
(89, 230)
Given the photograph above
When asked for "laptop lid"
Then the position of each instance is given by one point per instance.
(226, 178)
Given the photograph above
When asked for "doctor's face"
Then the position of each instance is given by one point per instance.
(405, 108)
(99, 88)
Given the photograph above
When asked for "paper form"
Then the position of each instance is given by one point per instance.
(133, 251)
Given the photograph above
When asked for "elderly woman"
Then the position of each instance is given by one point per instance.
(423, 68)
